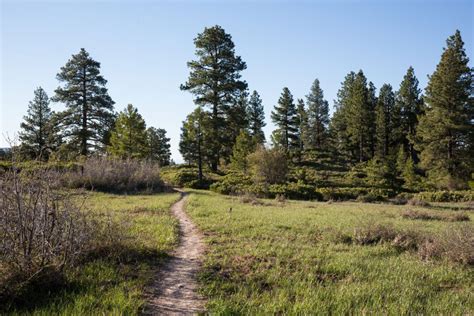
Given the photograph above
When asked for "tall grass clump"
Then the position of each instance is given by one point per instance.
(115, 175)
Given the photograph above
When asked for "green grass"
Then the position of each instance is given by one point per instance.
(111, 286)
(283, 259)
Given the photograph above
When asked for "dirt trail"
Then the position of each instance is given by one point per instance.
(174, 289)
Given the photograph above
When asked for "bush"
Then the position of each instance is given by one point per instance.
(446, 196)
(455, 244)
(295, 191)
(370, 197)
(116, 175)
(42, 231)
(417, 202)
(365, 194)
(418, 215)
(185, 176)
(233, 183)
(373, 234)
(268, 166)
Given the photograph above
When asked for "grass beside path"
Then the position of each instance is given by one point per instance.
(275, 258)
(113, 286)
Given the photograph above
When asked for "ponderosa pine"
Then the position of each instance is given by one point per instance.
(256, 118)
(39, 134)
(215, 82)
(318, 116)
(285, 118)
(89, 116)
(445, 134)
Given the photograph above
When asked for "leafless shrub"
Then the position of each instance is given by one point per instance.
(117, 175)
(456, 244)
(419, 215)
(250, 199)
(374, 233)
(412, 214)
(398, 201)
(280, 198)
(459, 217)
(407, 240)
(417, 202)
(40, 227)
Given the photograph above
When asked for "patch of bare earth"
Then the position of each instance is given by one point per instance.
(174, 289)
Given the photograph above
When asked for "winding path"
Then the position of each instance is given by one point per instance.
(174, 289)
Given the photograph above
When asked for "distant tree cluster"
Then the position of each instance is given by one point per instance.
(399, 135)
(88, 125)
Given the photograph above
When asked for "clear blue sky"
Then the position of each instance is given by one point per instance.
(143, 47)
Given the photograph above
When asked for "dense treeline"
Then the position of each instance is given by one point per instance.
(398, 138)
(89, 124)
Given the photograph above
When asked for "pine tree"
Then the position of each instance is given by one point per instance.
(236, 121)
(359, 118)
(158, 146)
(38, 133)
(284, 117)
(302, 124)
(195, 133)
(411, 181)
(338, 124)
(383, 122)
(372, 100)
(256, 118)
(215, 81)
(129, 138)
(408, 107)
(243, 147)
(318, 116)
(89, 108)
(445, 132)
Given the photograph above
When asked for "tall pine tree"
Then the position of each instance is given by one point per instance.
(384, 122)
(215, 82)
(38, 133)
(256, 118)
(285, 118)
(409, 106)
(446, 132)
(360, 117)
(338, 124)
(89, 108)
(318, 116)
(302, 123)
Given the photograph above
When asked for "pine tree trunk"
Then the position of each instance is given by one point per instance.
(199, 156)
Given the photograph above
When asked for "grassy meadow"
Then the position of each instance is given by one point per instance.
(111, 284)
(291, 257)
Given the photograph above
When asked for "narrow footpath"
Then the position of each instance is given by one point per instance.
(174, 289)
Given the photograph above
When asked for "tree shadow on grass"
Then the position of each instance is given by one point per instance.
(52, 289)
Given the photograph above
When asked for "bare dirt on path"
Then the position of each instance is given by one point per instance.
(174, 289)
